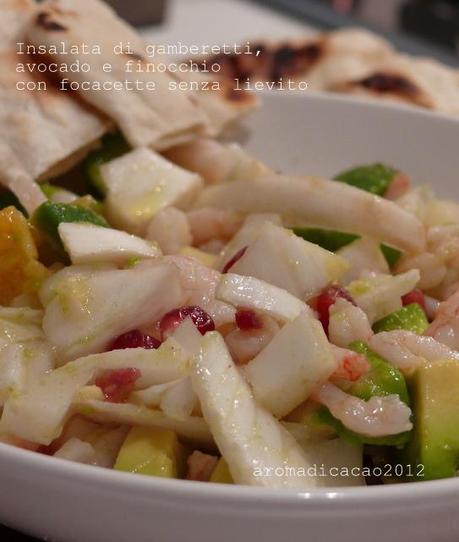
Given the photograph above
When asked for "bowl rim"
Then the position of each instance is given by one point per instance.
(419, 493)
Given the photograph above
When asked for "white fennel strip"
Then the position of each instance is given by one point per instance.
(249, 438)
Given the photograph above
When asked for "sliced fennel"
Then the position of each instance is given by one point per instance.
(252, 442)
(281, 258)
(253, 293)
(38, 413)
(86, 309)
(85, 243)
(295, 362)
(141, 183)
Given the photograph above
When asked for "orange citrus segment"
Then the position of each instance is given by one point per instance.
(20, 270)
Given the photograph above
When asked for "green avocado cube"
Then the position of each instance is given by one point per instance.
(154, 452)
(382, 378)
(374, 178)
(49, 215)
(409, 318)
(433, 451)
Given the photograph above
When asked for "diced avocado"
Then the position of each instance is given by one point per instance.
(49, 215)
(8, 199)
(374, 178)
(221, 473)
(433, 451)
(154, 452)
(382, 379)
(113, 146)
(334, 240)
(410, 318)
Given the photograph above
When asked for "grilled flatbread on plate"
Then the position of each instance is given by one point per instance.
(39, 129)
(158, 118)
(421, 82)
(351, 61)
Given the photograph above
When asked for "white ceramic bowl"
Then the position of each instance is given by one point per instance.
(67, 502)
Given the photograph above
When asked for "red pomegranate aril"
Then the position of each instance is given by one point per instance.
(415, 296)
(229, 264)
(170, 321)
(328, 298)
(117, 384)
(134, 339)
(247, 320)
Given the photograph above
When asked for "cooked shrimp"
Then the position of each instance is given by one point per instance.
(203, 156)
(406, 350)
(445, 327)
(216, 162)
(351, 366)
(200, 466)
(211, 223)
(377, 417)
(444, 240)
(348, 323)
(430, 266)
(198, 280)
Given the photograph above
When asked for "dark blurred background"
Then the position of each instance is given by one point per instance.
(416, 26)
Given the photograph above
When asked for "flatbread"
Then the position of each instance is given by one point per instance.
(319, 60)
(351, 61)
(158, 118)
(38, 129)
(422, 82)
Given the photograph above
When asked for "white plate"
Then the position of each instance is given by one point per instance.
(66, 502)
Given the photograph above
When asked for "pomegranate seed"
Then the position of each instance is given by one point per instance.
(134, 339)
(328, 298)
(117, 384)
(229, 264)
(173, 319)
(415, 296)
(248, 320)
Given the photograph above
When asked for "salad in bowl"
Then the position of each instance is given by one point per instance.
(175, 308)
(207, 318)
